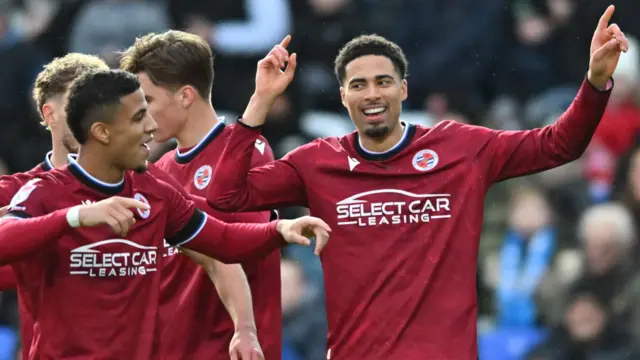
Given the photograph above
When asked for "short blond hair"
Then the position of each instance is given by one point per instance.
(57, 75)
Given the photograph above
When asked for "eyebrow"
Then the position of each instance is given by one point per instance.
(378, 78)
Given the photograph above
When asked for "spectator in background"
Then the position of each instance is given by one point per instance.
(240, 33)
(525, 258)
(608, 234)
(20, 62)
(104, 27)
(304, 326)
(452, 46)
(587, 333)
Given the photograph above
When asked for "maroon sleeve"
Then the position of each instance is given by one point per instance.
(509, 154)
(237, 187)
(7, 278)
(28, 227)
(9, 185)
(191, 228)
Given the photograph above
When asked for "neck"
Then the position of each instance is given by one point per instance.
(383, 144)
(59, 152)
(200, 120)
(94, 163)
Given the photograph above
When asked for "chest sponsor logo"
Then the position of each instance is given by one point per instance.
(202, 177)
(101, 260)
(392, 207)
(425, 160)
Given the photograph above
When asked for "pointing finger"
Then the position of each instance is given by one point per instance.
(285, 42)
(606, 17)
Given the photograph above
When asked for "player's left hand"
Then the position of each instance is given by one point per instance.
(300, 230)
(607, 44)
(245, 346)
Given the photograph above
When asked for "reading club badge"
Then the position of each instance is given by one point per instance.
(425, 160)
(202, 177)
(143, 213)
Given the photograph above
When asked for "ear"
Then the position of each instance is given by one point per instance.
(47, 113)
(186, 96)
(405, 92)
(100, 131)
(342, 97)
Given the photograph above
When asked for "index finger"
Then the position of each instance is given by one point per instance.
(606, 17)
(133, 203)
(285, 42)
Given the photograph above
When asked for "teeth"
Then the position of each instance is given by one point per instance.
(374, 111)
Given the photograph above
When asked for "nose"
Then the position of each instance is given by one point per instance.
(150, 126)
(372, 93)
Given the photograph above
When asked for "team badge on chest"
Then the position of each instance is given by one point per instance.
(202, 177)
(425, 160)
(143, 213)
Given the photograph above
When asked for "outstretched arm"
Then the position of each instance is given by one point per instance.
(517, 153)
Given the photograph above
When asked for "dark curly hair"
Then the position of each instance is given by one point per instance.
(364, 45)
(95, 97)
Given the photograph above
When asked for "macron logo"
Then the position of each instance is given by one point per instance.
(260, 145)
(352, 163)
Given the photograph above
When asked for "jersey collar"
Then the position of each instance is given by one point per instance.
(185, 157)
(84, 177)
(405, 140)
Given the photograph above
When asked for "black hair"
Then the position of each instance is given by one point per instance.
(95, 97)
(364, 45)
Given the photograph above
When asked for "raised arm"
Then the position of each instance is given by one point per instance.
(238, 187)
(279, 183)
(517, 153)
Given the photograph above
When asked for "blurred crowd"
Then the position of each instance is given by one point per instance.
(558, 276)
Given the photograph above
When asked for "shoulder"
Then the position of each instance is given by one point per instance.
(166, 160)
(455, 132)
(37, 190)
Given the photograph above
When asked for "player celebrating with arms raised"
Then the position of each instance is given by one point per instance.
(175, 70)
(405, 202)
(95, 294)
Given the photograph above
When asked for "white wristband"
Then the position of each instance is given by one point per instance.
(73, 216)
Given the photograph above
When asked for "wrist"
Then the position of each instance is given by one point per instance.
(247, 328)
(73, 217)
(599, 82)
(280, 226)
(257, 109)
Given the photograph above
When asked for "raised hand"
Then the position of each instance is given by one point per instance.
(300, 230)
(607, 44)
(114, 212)
(244, 346)
(271, 80)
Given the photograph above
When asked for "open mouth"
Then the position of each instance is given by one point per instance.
(374, 113)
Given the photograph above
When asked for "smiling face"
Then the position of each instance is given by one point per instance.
(373, 92)
(129, 132)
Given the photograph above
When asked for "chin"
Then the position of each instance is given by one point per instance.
(377, 131)
(141, 167)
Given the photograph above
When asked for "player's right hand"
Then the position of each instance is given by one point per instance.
(300, 230)
(271, 79)
(114, 212)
